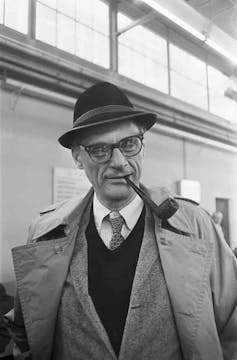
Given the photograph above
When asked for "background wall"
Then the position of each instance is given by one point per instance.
(29, 152)
(215, 169)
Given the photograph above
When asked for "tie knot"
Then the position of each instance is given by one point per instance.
(115, 215)
(116, 221)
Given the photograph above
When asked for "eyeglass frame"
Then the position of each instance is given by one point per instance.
(114, 146)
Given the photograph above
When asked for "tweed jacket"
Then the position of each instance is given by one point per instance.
(200, 272)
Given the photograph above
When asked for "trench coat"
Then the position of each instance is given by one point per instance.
(200, 272)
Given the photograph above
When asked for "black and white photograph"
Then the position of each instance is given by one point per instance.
(118, 179)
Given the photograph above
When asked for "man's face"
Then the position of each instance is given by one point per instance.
(107, 178)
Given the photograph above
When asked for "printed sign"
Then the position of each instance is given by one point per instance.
(69, 183)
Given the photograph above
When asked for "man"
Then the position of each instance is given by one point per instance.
(217, 217)
(105, 277)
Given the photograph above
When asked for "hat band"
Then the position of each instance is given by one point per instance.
(108, 109)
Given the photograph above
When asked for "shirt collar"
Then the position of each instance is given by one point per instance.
(130, 212)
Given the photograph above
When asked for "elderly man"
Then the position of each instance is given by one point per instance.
(116, 275)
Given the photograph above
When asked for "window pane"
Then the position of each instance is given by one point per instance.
(217, 80)
(188, 77)
(66, 33)
(188, 90)
(187, 65)
(95, 14)
(143, 41)
(51, 3)
(83, 48)
(95, 48)
(220, 104)
(1, 11)
(67, 7)
(101, 50)
(123, 21)
(223, 106)
(143, 70)
(76, 26)
(16, 15)
(143, 56)
(46, 24)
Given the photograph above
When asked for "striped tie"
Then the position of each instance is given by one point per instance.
(116, 220)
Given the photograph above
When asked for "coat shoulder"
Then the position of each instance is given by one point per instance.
(54, 219)
(191, 215)
(187, 200)
(45, 222)
(52, 207)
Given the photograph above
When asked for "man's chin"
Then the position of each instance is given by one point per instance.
(118, 190)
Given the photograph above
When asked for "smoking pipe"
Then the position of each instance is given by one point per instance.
(164, 211)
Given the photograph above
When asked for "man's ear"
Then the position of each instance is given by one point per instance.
(77, 158)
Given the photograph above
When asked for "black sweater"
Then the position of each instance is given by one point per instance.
(110, 277)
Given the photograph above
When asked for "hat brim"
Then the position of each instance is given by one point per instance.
(144, 119)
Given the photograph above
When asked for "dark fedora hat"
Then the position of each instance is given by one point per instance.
(101, 104)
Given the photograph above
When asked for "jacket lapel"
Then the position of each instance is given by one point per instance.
(79, 273)
(148, 255)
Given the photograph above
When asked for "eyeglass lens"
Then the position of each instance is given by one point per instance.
(130, 146)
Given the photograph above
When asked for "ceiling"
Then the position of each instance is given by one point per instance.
(222, 13)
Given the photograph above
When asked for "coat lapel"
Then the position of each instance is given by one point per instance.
(148, 255)
(41, 269)
(186, 262)
(79, 273)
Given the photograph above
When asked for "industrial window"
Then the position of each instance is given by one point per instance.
(188, 77)
(1, 11)
(220, 104)
(78, 27)
(142, 55)
(14, 14)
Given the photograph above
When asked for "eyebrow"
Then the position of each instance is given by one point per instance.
(109, 143)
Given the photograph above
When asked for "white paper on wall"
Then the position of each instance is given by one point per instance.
(68, 183)
(189, 189)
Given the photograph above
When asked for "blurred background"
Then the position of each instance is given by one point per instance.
(174, 57)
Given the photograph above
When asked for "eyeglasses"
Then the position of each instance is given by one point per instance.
(101, 153)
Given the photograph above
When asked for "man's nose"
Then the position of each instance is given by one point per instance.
(118, 159)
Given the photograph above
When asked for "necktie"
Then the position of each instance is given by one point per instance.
(116, 220)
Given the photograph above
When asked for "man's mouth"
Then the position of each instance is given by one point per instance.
(117, 178)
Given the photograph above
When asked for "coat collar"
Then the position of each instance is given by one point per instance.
(68, 213)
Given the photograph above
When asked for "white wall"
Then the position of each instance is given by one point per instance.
(215, 169)
(29, 132)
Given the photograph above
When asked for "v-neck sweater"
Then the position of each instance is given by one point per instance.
(110, 277)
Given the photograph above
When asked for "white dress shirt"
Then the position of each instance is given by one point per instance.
(130, 213)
